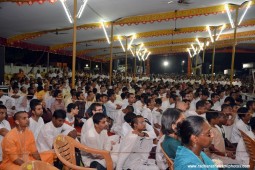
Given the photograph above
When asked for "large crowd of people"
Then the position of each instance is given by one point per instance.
(196, 121)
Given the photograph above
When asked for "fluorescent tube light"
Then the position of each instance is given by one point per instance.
(121, 44)
(105, 33)
(247, 7)
(222, 28)
(82, 8)
(68, 14)
(229, 15)
(210, 33)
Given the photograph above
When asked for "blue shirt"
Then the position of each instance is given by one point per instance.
(170, 146)
(186, 159)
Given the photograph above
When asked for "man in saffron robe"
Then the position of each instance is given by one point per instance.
(19, 144)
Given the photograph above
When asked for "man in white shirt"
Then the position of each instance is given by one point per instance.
(4, 127)
(135, 148)
(170, 103)
(241, 153)
(242, 124)
(8, 102)
(95, 108)
(112, 107)
(51, 130)
(118, 122)
(96, 137)
(200, 109)
(131, 101)
(35, 121)
(216, 103)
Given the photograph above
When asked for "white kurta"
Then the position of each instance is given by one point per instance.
(48, 133)
(35, 126)
(6, 125)
(236, 135)
(94, 140)
(147, 113)
(111, 109)
(118, 122)
(134, 152)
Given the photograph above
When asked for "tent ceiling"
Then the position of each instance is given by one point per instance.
(22, 20)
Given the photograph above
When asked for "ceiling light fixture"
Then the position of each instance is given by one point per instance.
(68, 14)
(149, 53)
(145, 51)
(222, 28)
(229, 15)
(200, 45)
(82, 8)
(189, 52)
(132, 52)
(210, 33)
(133, 38)
(247, 7)
(140, 48)
(105, 33)
(119, 38)
(195, 51)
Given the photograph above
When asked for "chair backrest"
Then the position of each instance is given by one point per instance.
(169, 160)
(64, 147)
(250, 145)
(35, 165)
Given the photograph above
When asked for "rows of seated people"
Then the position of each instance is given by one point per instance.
(197, 124)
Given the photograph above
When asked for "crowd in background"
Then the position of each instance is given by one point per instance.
(196, 120)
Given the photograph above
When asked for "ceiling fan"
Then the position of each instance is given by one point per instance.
(86, 44)
(184, 2)
(58, 33)
(175, 24)
(179, 2)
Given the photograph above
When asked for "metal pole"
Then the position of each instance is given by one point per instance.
(126, 58)
(234, 48)
(110, 76)
(204, 51)
(196, 64)
(48, 61)
(90, 65)
(213, 55)
(141, 68)
(101, 67)
(74, 42)
(135, 62)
